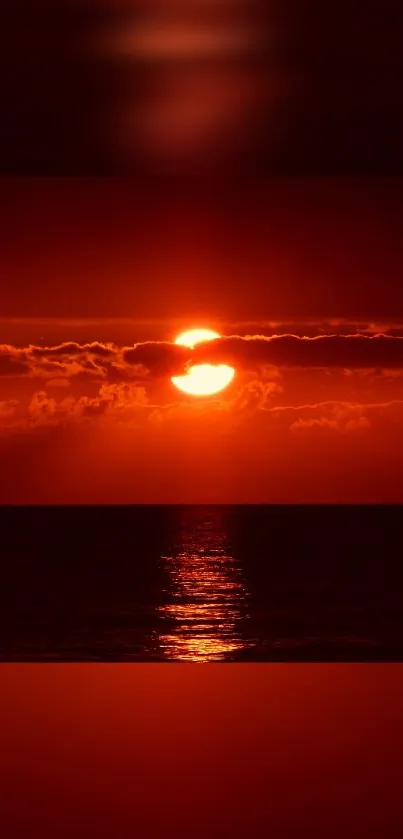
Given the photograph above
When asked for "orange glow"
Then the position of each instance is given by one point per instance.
(206, 599)
(196, 336)
(171, 40)
(202, 379)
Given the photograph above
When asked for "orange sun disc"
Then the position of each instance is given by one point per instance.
(202, 379)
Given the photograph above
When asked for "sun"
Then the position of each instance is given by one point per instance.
(202, 379)
(205, 379)
(196, 336)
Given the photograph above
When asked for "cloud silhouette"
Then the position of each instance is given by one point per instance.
(13, 362)
(159, 359)
(344, 351)
(72, 349)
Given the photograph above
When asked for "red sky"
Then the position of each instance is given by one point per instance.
(98, 277)
(108, 749)
(109, 247)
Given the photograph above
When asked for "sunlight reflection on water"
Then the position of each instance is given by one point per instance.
(206, 598)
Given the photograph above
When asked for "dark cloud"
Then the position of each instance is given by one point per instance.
(315, 327)
(152, 363)
(72, 349)
(343, 351)
(13, 362)
(105, 361)
(160, 358)
(68, 360)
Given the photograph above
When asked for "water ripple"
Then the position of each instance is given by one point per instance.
(206, 597)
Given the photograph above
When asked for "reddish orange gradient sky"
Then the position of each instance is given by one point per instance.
(301, 278)
(99, 745)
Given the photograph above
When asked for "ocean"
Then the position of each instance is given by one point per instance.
(201, 583)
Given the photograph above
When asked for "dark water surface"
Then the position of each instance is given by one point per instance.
(236, 583)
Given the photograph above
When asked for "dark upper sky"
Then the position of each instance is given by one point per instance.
(98, 87)
(277, 249)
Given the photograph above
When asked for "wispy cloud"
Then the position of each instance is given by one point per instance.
(100, 382)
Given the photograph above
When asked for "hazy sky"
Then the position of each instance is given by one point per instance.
(99, 277)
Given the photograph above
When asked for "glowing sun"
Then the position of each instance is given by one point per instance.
(202, 379)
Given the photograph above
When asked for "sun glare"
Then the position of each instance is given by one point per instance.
(202, 379)
(196, 336)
